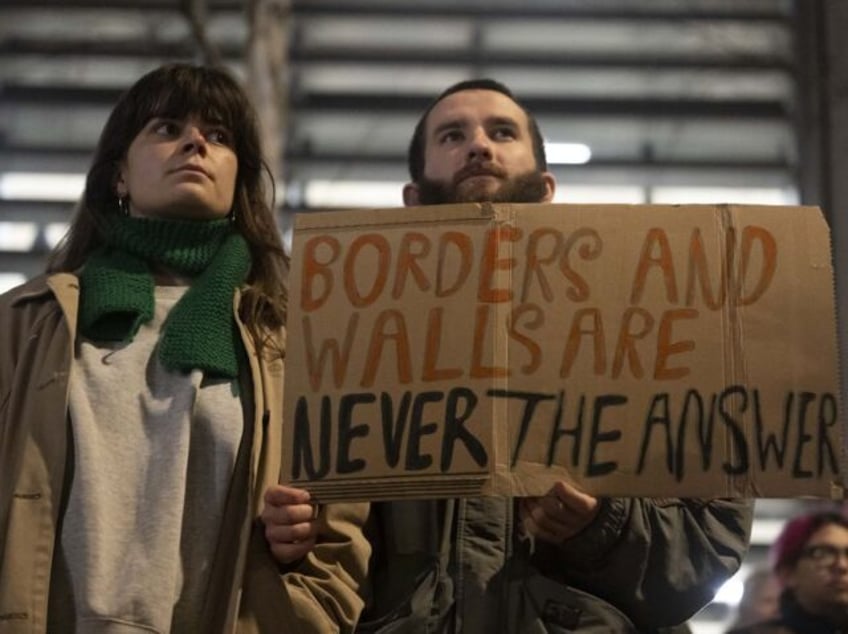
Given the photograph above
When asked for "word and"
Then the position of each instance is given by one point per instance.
(393, 267)
(549, 329)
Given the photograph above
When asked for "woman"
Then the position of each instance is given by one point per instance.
(810, 562)
(140, 394)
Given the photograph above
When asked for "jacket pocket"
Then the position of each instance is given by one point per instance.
(541, 605)
(415, 612)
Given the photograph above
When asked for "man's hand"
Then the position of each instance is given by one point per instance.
(290, 525)
(559, 515)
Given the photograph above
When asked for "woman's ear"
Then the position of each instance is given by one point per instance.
(121, 189)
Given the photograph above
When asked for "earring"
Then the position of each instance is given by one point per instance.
(232, 216)
(124, 205)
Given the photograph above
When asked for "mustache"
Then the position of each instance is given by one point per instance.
(478, 168)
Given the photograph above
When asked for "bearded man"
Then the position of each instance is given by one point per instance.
(566, 561)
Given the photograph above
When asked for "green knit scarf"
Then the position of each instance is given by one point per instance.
(116, 288)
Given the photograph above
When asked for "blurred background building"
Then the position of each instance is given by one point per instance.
(666, 101)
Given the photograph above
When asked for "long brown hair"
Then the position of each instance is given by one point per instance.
(210, 93)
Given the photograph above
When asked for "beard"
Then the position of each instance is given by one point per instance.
(529, 187)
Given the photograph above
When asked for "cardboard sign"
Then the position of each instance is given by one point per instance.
(495, 349)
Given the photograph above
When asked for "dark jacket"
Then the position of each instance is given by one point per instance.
(458, 566)
(793, 619)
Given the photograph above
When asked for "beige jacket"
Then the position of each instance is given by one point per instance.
(37, 333)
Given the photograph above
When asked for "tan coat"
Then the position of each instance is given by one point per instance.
(37, 333)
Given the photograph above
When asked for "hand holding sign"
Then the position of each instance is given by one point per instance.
(290, 524)
(559, 515)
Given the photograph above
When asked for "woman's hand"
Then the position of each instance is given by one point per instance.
(290, 522)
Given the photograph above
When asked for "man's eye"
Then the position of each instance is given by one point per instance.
(451, 136)
(503, 133)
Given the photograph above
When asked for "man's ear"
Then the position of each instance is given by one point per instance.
(410, 195)
(550, 187)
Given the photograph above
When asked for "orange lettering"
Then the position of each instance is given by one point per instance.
(379, 336)
(699, 270)
(769, 248)
(463, 244)
(627, 336)
(381, 269)
(534, 262)
(492, 263)
(329, 348)
(407, 262)
(478, 370)
(432, 347)
(589, 250)
(656, 237)
(665, 347)
(314, 268)
(575, 335)
(536, 319)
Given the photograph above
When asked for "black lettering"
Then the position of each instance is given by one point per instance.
(303, 441)
(596, 438)
(804, 400)
(827, 418)
(414, 460)
(739, 445)
(455, 428)
(558, 432)
(694, 402)
(707, 437)
(657, 418)
(392, 440)
(771, 444)
(347, 432)
(531, 400)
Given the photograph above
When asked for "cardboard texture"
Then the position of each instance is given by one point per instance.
(649, 350)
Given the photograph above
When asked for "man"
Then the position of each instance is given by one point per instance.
(811, 563)
(566, 561)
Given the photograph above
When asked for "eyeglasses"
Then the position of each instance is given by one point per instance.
(825, 554)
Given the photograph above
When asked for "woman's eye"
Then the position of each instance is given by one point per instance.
(221, 137)
(166, 128)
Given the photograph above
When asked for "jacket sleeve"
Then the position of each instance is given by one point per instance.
(657, 560)
(329, 580)
(321, 592)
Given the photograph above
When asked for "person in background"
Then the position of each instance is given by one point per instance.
(141, 394)
(810, 560)
(759, 598)
(567, 561)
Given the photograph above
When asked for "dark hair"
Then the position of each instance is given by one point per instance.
(178, 91)
(417, 146)
(790, 544)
